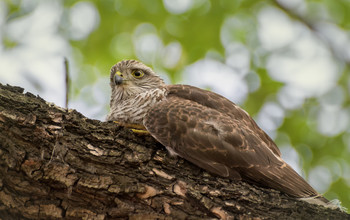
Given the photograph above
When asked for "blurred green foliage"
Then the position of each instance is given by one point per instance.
(199, 30)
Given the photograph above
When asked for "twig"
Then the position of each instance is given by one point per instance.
(66, 68)
(314, 28)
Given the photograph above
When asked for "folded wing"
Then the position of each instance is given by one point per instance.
(218, 136)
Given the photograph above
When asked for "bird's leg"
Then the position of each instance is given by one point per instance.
(138, 131)
(136, 128)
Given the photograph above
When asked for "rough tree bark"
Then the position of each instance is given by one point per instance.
(59, 164)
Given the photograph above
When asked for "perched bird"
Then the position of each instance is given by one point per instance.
(204, 128)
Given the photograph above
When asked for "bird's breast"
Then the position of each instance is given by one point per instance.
(134, 108)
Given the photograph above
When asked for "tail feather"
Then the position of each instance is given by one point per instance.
(320, 200)
(283, 179)
(290, 182)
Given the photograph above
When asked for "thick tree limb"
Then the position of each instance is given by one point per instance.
(57, 164)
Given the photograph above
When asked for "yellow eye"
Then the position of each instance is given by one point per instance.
(137, 74)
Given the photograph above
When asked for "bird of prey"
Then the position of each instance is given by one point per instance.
(204, 128)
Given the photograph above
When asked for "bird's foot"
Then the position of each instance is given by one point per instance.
(141, 132)
(135, 128)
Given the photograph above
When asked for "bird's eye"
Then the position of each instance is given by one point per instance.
(137, 74)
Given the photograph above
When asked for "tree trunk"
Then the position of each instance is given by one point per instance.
(57, 164)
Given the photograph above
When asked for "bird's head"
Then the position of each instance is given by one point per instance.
(130, 77)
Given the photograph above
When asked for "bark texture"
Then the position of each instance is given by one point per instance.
(58, 164)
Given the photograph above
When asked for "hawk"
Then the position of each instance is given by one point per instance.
(204, 128)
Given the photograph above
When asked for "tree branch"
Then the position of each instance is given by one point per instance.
(59, 164)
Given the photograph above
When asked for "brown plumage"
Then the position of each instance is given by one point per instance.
(202, 127)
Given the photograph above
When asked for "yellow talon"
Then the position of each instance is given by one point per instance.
(136, 128)
(138, 131)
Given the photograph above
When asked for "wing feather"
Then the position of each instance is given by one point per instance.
(216, 135)
(222, 105)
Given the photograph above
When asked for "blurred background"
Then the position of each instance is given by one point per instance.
(285, 62)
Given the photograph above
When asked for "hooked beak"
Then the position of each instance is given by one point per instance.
(118, 78)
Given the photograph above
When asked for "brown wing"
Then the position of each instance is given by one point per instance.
(216, 135)
(223, 105)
